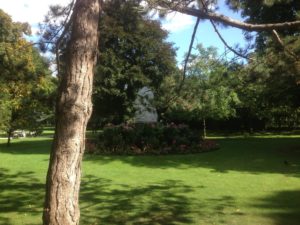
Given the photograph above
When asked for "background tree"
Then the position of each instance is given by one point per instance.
(207, 91)
(275, 70)
(25, 79)
(263, 12)
(133, 53)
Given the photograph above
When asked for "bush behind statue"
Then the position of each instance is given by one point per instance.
(139, 139)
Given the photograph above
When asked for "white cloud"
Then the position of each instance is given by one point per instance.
(31, 11)
(175, 22)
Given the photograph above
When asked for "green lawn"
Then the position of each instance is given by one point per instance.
(246, 182)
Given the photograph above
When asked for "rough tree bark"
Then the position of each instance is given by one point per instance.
(204, 128)
(73, 111)
(9, 135)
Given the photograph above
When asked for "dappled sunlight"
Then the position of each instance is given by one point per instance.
(160, 203)
(21, 195)
(247, 181)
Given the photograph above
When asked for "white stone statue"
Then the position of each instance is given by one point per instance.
(145, 112)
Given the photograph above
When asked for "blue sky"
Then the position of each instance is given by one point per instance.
(206, 35)
(180, 26)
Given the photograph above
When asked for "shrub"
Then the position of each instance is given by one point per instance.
(135, 139)
(90, 146)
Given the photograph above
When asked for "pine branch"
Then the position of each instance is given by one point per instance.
(174, 97)
(220, 36)
(66, 26)
(282, 45)
(226, 44)
(188, 54)
(216, 17)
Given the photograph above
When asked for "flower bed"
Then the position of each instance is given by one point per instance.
(139, 139)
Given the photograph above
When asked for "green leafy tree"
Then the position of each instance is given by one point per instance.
(207, 91)
(25, 79)
(133, 53)
(269, 92)
(274, 73)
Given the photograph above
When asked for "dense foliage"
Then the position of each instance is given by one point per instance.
(207, 91)
(270, 90)
(27, 87)
(133, 53)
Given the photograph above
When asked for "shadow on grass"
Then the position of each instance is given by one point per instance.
(283, 207)
(167, 202)
(244, 134)
(27, 146)
(101, 203)
(162, 203)
(20, 193)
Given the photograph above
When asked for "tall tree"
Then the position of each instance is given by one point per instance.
(207, 91)
(73, 110)
(23, 73)
(133, 52)
(276, 67)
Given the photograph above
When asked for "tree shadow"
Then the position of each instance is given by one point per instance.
(161, 203)
(170, 202)
(29, 146)
(101, 201)
(282, 207)
(20, 193)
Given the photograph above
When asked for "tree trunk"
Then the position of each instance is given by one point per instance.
(204, 128)
(73, 111)
(9, 135)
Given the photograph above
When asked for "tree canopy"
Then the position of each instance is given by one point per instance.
(133, 53)
(25, 82)
(275, 70)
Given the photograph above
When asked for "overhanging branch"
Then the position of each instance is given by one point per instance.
(220, 36)
(216, 17)
(226, 44)
(280, 42)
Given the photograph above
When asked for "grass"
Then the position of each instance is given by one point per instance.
(249, 181)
